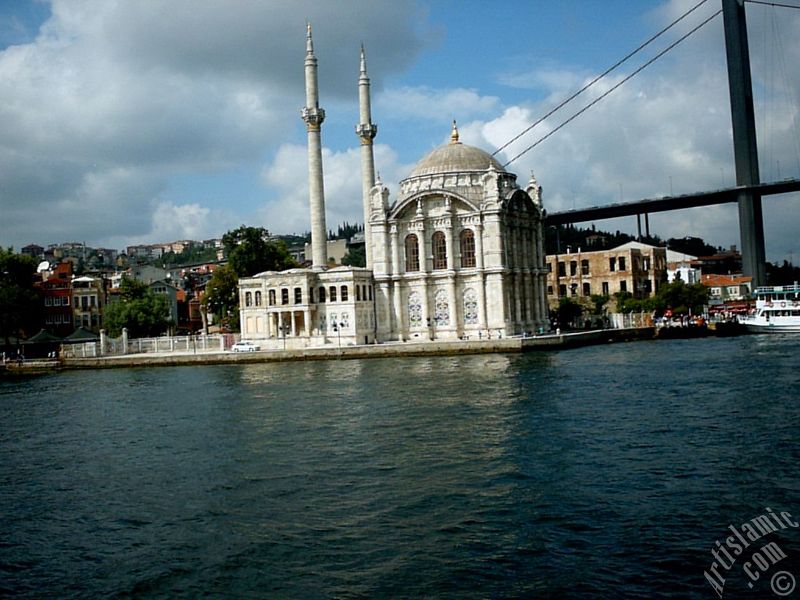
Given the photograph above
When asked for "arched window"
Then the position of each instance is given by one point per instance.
(321, 294)
(467, 249)
(332, 293)
(248, 298)
(439, 250)
(284, 295)
(343, 295)
(258, 298)
(272, 297)
(412, 253)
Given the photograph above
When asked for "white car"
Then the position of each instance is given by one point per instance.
(244, 346)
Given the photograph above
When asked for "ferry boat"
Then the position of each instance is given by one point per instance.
(777, 310)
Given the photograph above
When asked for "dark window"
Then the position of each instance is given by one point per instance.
(439, 250)
(343, 292)
(358, 293)
(584, 267)
(549, 290)
(562, 290)
(562, 269)
(412, 253)
(467, 249)
(322, 295)
(587, 289)
(258, 298)
(573, 268)
(332, 293)
(370, 293)
(298, 295)
(248, 299)
(284, 295)
(605, 288)
(623, 286)
(612, 264)
(621, 263)
(272, 297)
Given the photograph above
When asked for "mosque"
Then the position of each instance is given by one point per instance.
(457, 254)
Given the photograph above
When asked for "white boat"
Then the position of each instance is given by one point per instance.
(777, 310)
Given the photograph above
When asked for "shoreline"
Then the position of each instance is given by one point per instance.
(513, 345)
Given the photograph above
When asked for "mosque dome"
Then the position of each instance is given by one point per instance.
(455, 157)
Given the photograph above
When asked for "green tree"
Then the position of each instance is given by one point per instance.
(20, 301)
(355, 257)
(222, 296)
(568, 311)
(250, 250)
(681, 297)
(598, 303)
(139, 310)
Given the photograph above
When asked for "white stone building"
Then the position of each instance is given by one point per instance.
(458, 253)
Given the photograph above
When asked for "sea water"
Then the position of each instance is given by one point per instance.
(602, 472)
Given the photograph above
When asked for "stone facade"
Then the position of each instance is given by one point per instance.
(639, 269)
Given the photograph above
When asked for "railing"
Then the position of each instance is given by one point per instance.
(630, 320)
(188, 344)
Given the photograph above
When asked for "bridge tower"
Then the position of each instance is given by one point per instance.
(745, 150)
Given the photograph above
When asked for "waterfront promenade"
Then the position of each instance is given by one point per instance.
(439, 348)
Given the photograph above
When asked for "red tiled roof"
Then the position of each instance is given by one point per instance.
(725, 280)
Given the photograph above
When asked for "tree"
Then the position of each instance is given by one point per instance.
(250, 250)
(568, 311)
(20, 301)
(139, 310)
(681, 298)
(222, 296)
(356, 257)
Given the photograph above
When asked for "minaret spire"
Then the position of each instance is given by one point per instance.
(366, 132)
(313, 116)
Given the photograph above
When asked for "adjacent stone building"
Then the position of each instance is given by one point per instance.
(637, 268)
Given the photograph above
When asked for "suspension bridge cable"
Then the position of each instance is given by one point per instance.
(599, 77)
(606, 93)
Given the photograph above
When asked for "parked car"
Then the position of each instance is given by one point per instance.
(245, 346)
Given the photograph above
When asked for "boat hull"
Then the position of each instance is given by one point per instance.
(771, 328)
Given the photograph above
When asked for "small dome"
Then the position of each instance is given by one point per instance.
(455, 157)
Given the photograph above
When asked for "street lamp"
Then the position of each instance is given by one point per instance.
(337, 327)
(284, 329)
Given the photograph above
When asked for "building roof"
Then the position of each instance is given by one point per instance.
(455, 157)
(712, 280)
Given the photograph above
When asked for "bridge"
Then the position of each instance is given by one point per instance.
(667, 203)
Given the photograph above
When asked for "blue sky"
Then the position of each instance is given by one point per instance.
(151, 121)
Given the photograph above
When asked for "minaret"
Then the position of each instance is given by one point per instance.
(313, 115)
(366, 132)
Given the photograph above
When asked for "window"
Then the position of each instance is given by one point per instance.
(549, 267)
(621, 263)
(562, 290)
(370, 293)
(358, 293)
(412, 253)
(284, 295)
(65, 300)
(549, 290)
(605, 288)
(48, 301)
(272, 297)
(612, 264)
(84, 302)
(322, 295)
(623, 286)
(562, 269)
(587, 288)
(298, 295)
(439, 251)
(248, 298)
(332, 294)
(646, 263)
(343, 293)
(573, 289)
(573, 268)
(584, 267)
(467, 249)
(258, 298)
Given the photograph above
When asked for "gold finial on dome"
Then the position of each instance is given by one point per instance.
(454, 133)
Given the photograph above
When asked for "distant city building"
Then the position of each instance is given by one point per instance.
(57, 298)
(633, 267)
(33, 250)
(726, 288)
(88, 300)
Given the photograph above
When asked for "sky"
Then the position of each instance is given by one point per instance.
(150, 121)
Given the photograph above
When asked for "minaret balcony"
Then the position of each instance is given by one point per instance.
(313, 116)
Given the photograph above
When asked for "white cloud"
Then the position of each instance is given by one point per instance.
(423, 102)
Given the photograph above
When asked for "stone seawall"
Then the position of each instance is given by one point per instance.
(508, 345)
